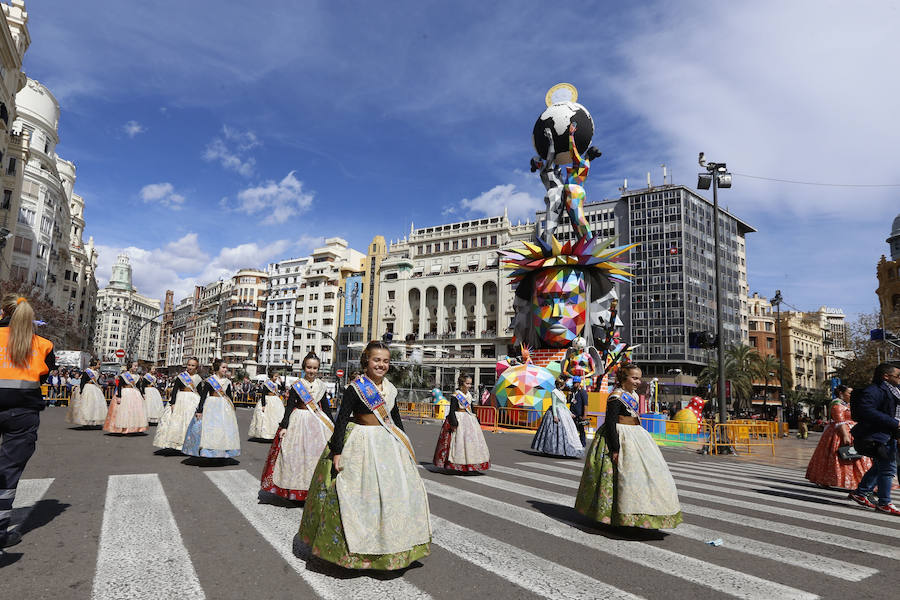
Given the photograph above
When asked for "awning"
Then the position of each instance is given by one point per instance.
(418, 269)
(435, 268)
(473, 260)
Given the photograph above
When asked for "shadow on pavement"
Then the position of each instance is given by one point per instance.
(265, 497)
(209, 463)
(317, 565)
(537, 454)
(569, 516)
(9, 558)
(168, 452)
(41, 514)
(433, 469)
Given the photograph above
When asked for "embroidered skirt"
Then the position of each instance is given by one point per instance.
(266, 419)
(126, 413)
(464, 449)
(92, 407)
(216, 434)
(638, 492)
(825, 468)
(374, 513)
(292, 459)
(173, 423)
(153, 404)
(558, 439)
(74, 397)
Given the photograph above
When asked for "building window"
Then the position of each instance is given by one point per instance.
(26, 216)
(22, 245)
(7, 199)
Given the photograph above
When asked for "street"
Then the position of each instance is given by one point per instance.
(104, 517)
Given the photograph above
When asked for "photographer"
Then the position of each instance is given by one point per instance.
(579, 406)
(875, 435)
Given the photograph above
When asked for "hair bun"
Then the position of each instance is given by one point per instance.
(21, 299)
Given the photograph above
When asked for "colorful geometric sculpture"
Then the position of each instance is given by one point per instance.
(525, 386)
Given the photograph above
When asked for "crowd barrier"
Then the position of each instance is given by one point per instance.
(738, 436)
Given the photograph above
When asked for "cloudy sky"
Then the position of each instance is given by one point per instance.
(212, 135)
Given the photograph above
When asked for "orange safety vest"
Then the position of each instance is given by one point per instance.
(13, 377)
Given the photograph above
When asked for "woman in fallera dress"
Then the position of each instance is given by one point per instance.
(825, 468)
(126, 410)
(367, 507)
(461, 446)
(626, 481)
(183, 401)
(90, 408)
(152, 400)
(269, 409)
(557, 435)
(302, 435)
(213, 432)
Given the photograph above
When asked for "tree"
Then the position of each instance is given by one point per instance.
(59, 327)
(770, 364)
(739, 370)
(862, 354)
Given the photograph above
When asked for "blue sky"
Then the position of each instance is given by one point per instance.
(211, 135)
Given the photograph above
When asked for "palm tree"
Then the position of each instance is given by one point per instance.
(739, 370)
(767, 367)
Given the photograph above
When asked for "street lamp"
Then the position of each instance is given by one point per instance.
(717, 175)
(777, 300)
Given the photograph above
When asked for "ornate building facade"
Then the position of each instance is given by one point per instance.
(125, 319)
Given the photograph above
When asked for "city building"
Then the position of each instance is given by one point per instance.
(803, 349)
(318, 306)
(243, 322)
(371, 286)
(761, 326)
(125, 319)
(442, 289)
(888, 291)
(277, 347)
(209, 322)
(181, 340)
(165, 331)
(14, 41)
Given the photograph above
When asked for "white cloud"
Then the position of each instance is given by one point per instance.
(231, 152)
(182, 264)
(133, 128)
(521, 199)
(278, 201)
(163, 193)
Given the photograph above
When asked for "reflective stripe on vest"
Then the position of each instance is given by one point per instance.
(29, 377)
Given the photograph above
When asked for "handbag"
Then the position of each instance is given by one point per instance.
(848, 453)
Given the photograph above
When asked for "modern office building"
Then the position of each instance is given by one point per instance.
(285, 279)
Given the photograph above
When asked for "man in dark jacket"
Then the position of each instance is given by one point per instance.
(579, 406)
(877, 414)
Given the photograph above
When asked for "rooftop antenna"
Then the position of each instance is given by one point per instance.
(624, 187)
(649, 185)
(664, 172)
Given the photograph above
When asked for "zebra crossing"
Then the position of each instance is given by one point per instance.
(781, 538)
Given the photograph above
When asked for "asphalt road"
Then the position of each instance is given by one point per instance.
(96, 506)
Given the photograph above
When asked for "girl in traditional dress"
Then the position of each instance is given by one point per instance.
(183, 401)
(126, 410)
(269, 410)
(461, 446)
(367, 507)
(90, 408)
(825, 468)
(626, 481)
(557, 435)
(302, 436)
(213, 432)
(152, 400)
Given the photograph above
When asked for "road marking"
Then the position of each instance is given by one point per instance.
(745, 468)
(850, 510)
(700, 572)
(519, 567)
(806, 560)
(141, 552)
(28, 493)
(832, 539)
(279, 527)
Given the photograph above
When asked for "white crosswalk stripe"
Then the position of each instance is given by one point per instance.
(696, 571)
(28, 493)
(142, 554)
(700, 511)
(278, 526)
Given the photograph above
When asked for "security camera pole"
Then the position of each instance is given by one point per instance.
(717, 175)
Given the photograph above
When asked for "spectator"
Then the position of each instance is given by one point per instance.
(877, 414)
(53, 387)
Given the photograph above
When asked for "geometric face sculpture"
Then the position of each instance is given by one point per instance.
(559, 305)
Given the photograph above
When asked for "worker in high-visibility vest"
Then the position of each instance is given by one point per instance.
(25, 361)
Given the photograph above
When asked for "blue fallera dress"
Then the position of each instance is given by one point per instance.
(558, 438)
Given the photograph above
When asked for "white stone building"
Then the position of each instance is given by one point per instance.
(243, 321)
(443, 287)
(125, 319)
(285, 279)
(14, 41)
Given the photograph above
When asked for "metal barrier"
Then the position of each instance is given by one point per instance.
(743, 435)
(514, 417)
(487, 416)
(419, 410)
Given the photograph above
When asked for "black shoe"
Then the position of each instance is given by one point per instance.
(12, 538)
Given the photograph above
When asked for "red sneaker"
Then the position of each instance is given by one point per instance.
(861, 499)
(888, 508)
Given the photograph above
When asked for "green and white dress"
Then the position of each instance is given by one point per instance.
(639, 491)
(374, 513)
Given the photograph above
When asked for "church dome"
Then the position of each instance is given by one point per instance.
(894, 240)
